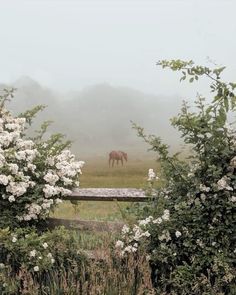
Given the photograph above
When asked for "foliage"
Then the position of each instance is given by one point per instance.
(52, 263)
(34, 172)
(192, 222)
(25, 248)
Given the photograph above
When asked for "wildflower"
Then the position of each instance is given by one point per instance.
(64, 191)
(158, 220)
(119, 244)
(51, 178)
(152, 175)
(13, 168)
(33, 253)
(130, 249)
(145, 221)
(223, 184)
(199, 243)
(125, 229)
(17, 188)
(36, 268)
(52, 260)
(165, 236)
(14, 239)
(166, 215)
(50, 191)
(146, 234)
(233, 199)
(178, 234)
(203, 197)
(49, 255)
(3, 179)
(204, 188)
(45, 245)
(138, 233)
(11, 199)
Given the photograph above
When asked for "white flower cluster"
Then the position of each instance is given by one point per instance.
(132, 237)
(152, 175)
(233, 199)
(204, 188)
(25, 171)
(38, 256)
(222, 184)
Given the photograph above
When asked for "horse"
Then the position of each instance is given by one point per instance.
(117, 156)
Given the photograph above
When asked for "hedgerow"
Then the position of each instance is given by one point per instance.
(189, 227)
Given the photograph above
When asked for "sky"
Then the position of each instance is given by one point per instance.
(69, 45)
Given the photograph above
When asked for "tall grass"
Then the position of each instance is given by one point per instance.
(110, 275)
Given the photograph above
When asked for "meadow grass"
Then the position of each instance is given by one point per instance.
(97, 173)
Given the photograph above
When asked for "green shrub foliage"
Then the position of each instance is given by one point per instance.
(192, 245)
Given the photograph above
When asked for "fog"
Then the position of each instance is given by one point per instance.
(93, 63)
(98, 118)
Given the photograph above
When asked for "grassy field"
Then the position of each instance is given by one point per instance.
(96, 173)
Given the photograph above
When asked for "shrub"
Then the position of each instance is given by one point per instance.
(190, 234)
(34, 172)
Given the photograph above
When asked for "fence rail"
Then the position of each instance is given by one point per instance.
(108, 194)
(98, 194)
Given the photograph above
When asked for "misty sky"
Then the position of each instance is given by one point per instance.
(68, 45)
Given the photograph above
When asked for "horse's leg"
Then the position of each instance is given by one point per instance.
(113, 162)
(121, 161)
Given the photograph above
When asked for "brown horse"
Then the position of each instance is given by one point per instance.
(117, 156)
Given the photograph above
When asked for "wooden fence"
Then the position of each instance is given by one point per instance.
(99, 194)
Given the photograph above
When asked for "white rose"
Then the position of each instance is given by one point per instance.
(178, 234)
(119, 244)
(32, 253)
(14, 239)
(45, 245)
(36, 268)
(11, 199)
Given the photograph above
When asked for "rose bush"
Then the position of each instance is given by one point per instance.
(190, 231)
(34, 172)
